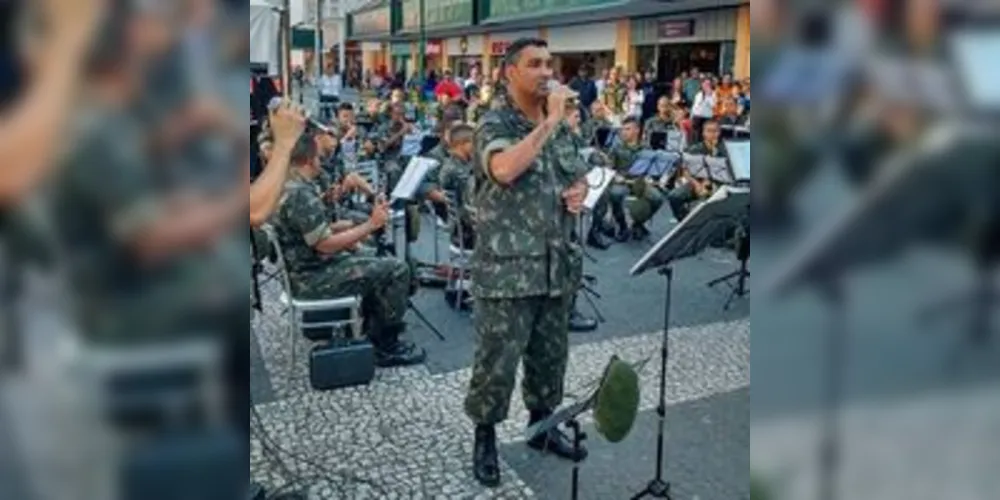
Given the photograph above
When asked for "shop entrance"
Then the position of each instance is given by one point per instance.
(676, 59)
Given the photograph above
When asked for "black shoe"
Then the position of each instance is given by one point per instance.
(623, 235)
(581, 324)
(555, 441)
(401, 354)
(485, 463)
(640, 233)
(595, 240)
(608, 231)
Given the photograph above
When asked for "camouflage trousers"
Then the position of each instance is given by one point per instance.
(382, 283)
(533, 330)
(648, 201)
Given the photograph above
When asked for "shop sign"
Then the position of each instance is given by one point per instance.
(442, 13)
(676, 29)
(437, 14)
(499, 48)
(372, 22)
(434, 48)
(525, 8)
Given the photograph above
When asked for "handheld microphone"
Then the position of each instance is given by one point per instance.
(276, 103)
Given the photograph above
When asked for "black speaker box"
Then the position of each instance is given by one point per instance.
(342, 363)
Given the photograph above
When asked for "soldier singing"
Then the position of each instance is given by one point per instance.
(526, 266)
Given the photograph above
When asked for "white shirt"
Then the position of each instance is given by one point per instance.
(330, 85)
(704, 106)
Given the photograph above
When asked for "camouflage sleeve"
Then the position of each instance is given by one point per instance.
(117, 177)
(447, 176)
(492, 137)
(647, 131)
(302, 212)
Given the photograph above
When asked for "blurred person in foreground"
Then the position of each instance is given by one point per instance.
(33, 120)
(147, 260)
(530, 181)
(36, 92)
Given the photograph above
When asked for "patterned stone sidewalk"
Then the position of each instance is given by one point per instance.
(406, 436)
(943, 445)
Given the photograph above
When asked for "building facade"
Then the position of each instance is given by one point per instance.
(636, 35)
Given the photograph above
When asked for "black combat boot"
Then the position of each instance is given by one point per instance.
(391, 352)
(554, 441)
(485, 463)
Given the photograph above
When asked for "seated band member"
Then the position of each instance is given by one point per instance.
(336, 183)
(663, 122)
(326, 260)
(688, 189)
(457, 182)
(600, 117)
(649, 198)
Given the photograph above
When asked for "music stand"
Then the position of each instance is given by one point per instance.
(696, 166)
(598, 181)
(658, 141)
(739, 160)
(405, 191)
(688, 239)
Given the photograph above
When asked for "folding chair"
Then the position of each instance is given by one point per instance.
(344, 312)
(458, 257)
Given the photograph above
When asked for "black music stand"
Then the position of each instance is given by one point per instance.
(688, 239)
(658, 141)
(900, 209)
(405, 191)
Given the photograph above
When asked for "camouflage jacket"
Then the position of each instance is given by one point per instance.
(474, 113)
(524, 246)
(589, 129)
(654, 125)
(623, 156)
(301, 222)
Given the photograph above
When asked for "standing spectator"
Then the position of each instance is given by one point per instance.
(703, 109)
(330, 85)
(586, 90)
(430, 85)
(447, 86)
(474, 78)
(692, 85)
(653, 91)
(602, 83)
(635, 98)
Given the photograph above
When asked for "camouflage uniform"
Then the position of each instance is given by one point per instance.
(106, 193)
(457, 180)
(654, 125)
(589, 129)
(683, 195)
(525, 270)
(649, 198)
(301, 223)
(474, 113)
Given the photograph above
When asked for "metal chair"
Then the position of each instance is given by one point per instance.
(458, 256)
(298, 308)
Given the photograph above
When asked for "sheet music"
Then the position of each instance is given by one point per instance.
(981, 81)
(739, 159)
(598, 181)
(658, 140)
(695, 165)
(641, 166)
(718, 170)
(414, 175)
(664, 164)
(412, 144)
